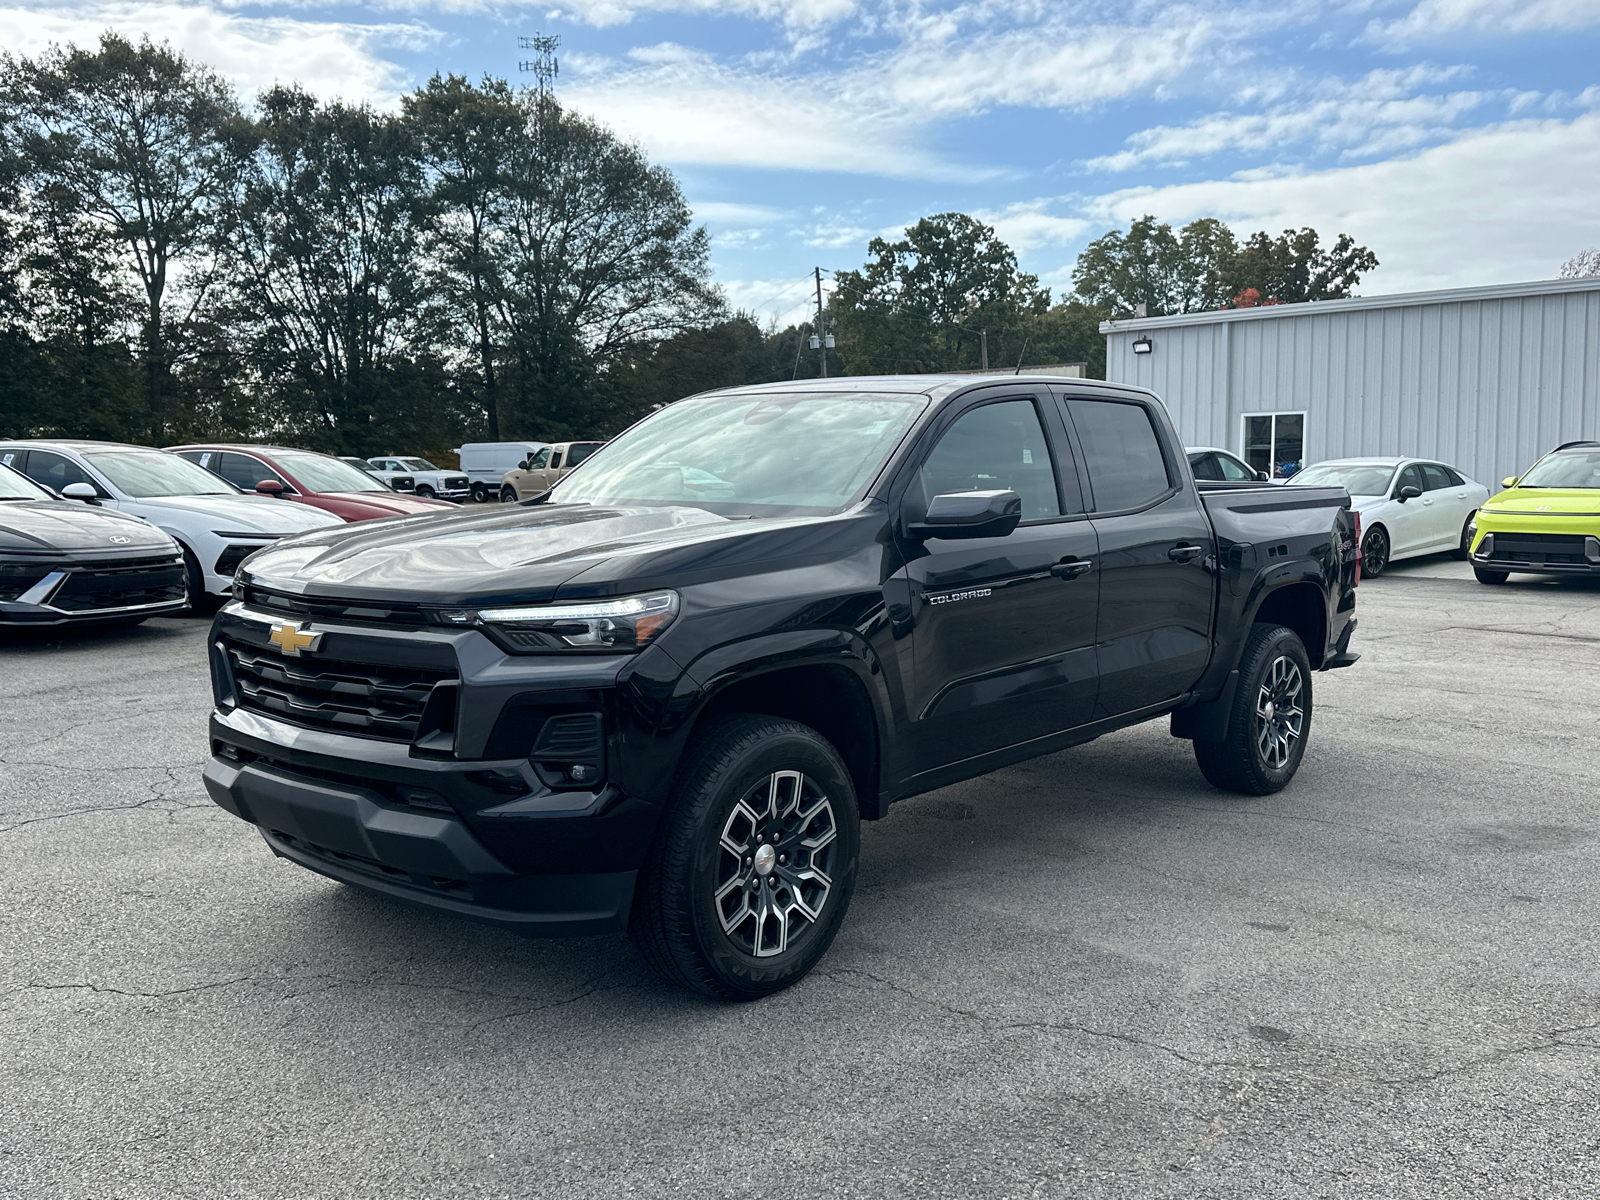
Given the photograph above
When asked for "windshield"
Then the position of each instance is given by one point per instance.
(1359, 479)
(1565, 469)
(16, 486)
(773, 454)
(144, 473)
(417, 464)
(319, 473)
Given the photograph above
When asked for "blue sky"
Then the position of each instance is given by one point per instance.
(1459, 139)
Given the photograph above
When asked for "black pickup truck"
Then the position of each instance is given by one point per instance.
(662, 696)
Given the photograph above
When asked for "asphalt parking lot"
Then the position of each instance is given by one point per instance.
(1087, 976)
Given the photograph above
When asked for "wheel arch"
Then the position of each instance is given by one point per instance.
(1303, 607)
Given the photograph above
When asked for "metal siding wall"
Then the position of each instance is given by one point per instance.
(1486, 384)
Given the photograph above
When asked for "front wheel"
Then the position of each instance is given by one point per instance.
(201, 602)
(1374, 553)
(1463, 552)
(424, 491)
(508, 494)
(1491, 577)
(1270, 719)
(753, 870)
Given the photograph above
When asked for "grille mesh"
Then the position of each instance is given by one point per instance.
(345, 697)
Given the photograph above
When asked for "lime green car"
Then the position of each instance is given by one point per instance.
(1545, 523)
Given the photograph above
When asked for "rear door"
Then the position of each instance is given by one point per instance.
(1002, 628)
(1448, 505)
(1157, 555)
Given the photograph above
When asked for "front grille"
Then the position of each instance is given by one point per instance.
(340, 696)
(1538, 547)
(121, 584)
(455, 482)
(346, 612)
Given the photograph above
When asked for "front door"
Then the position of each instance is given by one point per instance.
(1003, 628)
(1409, 521)
(1157, 558)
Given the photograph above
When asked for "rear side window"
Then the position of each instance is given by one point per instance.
(1437, 478)
(1126, 466)
(555, 460)
(996, 447)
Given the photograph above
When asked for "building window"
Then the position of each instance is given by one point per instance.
(1275, 442)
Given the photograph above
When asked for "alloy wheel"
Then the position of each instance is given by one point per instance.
(775, 863)
(1280, 715)
(1374, 554)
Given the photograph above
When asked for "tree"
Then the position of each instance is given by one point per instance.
(1582, 265)
(1293, 267)
(1167, 272)
(146, 144)
(929, 301)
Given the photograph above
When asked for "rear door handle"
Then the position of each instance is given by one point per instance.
(1071, 568)
(1185, 553)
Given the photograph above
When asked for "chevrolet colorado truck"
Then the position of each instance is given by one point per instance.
(662, 697)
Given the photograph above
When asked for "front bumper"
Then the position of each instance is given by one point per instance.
(87, 592)
(1540, 553)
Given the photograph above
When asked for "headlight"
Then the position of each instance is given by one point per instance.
(625, 624)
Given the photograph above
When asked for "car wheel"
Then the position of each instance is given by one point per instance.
(1270, 719)
(508, 494)
(754, 866)
(1491, 577)
(201, 602)
(1374, 553)
(1463, 552)
(480, 494)
(424, 491)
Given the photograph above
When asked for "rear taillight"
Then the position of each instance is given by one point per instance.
(1358, 547)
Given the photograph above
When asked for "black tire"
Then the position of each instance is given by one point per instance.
(1263, 746)
(1374, 552)
(508, 494)
(201, 602)
(480, 494)
(424, 491)
(1463, 552)
(1491, 577)
(692, 915)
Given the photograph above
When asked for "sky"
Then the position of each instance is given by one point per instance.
(1458, 139)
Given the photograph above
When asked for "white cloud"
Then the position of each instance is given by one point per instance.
(1028, 225)
(1505, 203)
(715, 212)
(1432, 20)
(796, 14)
(329, 58)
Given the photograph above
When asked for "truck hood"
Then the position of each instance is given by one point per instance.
(244, 514)
(1572, 501)
(526, 552)
(75, 527)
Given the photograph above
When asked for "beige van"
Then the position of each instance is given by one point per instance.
(539, 471)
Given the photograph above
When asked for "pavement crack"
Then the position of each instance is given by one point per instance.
(1552, 1040)
(111, 991)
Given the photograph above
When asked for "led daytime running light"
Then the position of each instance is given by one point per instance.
(633, 606)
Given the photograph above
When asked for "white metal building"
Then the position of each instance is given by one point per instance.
(1486, 379)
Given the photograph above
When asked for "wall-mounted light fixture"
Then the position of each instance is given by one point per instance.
(1143, 346)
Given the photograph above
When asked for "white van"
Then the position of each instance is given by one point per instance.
(485, 463)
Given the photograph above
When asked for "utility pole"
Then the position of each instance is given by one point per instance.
(822, 334)
(983, 349)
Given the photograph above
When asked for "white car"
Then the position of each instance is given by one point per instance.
(430, 480)
(1222, 466)
(1408, 506)
(217, 525)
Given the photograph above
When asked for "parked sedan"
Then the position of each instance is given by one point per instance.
(306, 477)
(63, 562)
(1408, 506)
(214, 523)
(1220, 466)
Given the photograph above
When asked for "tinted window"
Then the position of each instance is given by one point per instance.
(994, 447)
(1410, 477)
(579, 451)
(1233, 470)
(1205, 466)
(1454, 477)
(1126, 468)
(243, 471)
(55, 471)
(555, 460)
(1434, 478)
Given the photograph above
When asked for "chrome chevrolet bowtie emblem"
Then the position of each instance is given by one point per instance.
(291, 639)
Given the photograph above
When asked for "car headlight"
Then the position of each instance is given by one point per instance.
(626, 624)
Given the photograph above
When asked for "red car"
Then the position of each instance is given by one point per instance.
(307, 477)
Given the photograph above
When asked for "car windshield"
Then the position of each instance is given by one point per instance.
(772, 454)
(319, 473)
(1565, 469)
(146, 473)
(417, 464)
(1359, 479)
(16, 486)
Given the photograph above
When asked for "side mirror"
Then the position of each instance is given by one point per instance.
(1263, 477)
(523, 465)
(1510, 481)
(961, 515)
(81, 491)
(1410, 492)
(270, 487)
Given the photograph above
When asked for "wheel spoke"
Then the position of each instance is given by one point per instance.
(764, 914)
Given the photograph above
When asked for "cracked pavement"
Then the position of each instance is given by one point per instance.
(1086, 976)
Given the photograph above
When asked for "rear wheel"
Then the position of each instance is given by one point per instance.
(1491, 577)
(1374, 553)
(508, 494)
(1464, 551)
(753, 870)
(480, 494)
(1270, 720)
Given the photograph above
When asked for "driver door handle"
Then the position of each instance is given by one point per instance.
(1071, 568)
(1185, 553)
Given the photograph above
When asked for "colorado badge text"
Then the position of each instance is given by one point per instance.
(952, 597)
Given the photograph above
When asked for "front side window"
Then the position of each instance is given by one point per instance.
(539, 461)
(1410, 477)
(146, 473)
(1126, 467)
(996, 447)
(243, 471)
(1233, 470)
(1563, 469)
(744, 454)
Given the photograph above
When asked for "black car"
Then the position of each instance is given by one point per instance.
(663, 695)
(65, 562)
